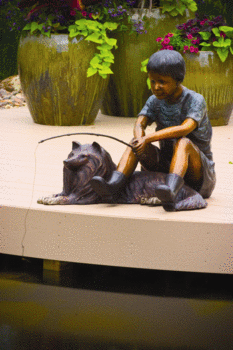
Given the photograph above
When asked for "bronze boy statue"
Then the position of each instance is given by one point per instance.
(183, 130)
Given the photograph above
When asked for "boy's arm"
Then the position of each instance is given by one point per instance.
(168, 133)
(140, 126)
(173, 132)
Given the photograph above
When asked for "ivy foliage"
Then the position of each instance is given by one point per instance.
(97, 33)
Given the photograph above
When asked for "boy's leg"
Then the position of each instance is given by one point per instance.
(128, 162)
(111, 189)
(125, 168)
(186, 161)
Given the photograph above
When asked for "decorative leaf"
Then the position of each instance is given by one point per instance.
(231, 49)
(192, 7)
(95, 61)
(95, 37)
(110, 25)
(226, 29)
(205, 35)
(27, 27)
(205, 44)
(106, 70)
(111, 41)
(91, 71)
(216, 31)
(222, 53)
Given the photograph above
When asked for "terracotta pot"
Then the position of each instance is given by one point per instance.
(207, 75)
(127, 90)
(53, 78)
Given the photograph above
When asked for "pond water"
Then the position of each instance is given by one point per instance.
(89, 307)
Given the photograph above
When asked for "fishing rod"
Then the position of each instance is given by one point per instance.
(87, 133)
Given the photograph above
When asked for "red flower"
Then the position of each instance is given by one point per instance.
(222, 34)
(166, 41)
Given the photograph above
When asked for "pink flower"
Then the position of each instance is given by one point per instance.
(170, 47)
(202, 23)
(223, 35)
(159, 39)
(170, 35)
(196, 50)
(90, 15)
(166, 41)
(192, 49)
(194, 42)
(186, 48)
(72, 13)
(84, 13)
(189, 36)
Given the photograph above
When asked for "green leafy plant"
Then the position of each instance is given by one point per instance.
(222, 44)
(97, 33)
(200, 34)
(175, 8)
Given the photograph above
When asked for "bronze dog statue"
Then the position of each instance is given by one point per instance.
(86, 161)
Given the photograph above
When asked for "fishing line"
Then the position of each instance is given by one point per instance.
(30, 204)
(35, 169)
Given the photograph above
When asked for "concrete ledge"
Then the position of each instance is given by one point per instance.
(118, 235)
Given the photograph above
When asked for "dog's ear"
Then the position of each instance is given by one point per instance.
(96, 146)
(75, 145)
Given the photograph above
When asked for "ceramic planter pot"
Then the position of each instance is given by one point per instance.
(53, 78)
(127, 90)
(207, 75)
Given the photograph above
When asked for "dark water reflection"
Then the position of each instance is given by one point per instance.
(90, 307)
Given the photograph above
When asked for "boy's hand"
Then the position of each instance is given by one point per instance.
(139, 145)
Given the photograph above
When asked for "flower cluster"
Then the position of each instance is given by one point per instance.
(58, 15)
(188, 36)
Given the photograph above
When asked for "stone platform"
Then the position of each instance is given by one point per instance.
(116, 235)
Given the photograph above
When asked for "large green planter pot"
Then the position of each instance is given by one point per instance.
(207, 75)
(53, 77)
(127, 90)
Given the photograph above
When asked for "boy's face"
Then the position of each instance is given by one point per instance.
(164, 87)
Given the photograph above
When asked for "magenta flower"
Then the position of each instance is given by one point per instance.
(170, 47)
(222, 34)
(192, 49)
(186, 48)
(194, 42)
(72, 13)
(190, 36)
(90, 15)
(159, 39)
(84, 13)
(170, 35)
(196, 50)
(202, 23)
(166, 41)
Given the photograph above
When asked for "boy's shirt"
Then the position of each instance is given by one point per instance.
(189, 105)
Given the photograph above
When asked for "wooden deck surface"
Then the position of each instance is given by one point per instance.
(122, 235)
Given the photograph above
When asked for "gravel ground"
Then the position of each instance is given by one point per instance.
(11, 93)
